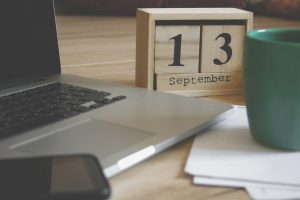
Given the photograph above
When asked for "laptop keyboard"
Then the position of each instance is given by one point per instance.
(46, 104)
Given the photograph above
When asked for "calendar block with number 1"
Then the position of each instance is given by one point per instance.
(191, 51)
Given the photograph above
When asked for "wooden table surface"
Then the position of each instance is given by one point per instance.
(104, 48)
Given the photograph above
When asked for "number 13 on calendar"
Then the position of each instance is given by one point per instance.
(191, 51)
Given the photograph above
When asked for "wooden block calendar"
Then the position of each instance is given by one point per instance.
(191, 51)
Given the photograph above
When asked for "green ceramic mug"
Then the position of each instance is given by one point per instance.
(272, 86)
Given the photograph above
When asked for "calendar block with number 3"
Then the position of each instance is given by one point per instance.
(191, 51)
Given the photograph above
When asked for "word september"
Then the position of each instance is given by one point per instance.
(199, 80)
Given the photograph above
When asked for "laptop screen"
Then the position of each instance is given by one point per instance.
(28, 40)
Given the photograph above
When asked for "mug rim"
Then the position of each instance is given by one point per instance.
(255, 33)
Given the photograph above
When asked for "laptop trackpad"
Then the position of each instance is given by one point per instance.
(91, 136)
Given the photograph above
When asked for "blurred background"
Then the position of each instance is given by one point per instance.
(282, 8)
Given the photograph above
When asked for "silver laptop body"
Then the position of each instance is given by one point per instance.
(120, 134)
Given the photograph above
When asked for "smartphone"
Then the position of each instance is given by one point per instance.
(72, 177)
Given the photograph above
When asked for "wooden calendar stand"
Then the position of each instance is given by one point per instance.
(191, 51)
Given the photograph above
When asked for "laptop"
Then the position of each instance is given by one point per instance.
(44, 112)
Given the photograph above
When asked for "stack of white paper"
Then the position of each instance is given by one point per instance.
(227, 155)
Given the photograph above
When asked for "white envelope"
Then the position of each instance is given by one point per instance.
(228, 151)
(273, 194)
(257, 190)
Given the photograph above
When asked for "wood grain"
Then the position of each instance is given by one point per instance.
(186, 41)
(104, 47)
(193, 13)
(212, 42)
(199, 81)
(189, 49)
(144, 51)
(94, 39)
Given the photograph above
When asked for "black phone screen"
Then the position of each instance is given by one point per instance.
(53, 178)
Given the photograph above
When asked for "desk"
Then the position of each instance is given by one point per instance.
(104, 48)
